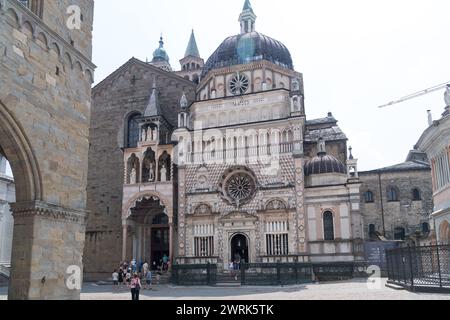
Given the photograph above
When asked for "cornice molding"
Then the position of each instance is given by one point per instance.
(49, 211)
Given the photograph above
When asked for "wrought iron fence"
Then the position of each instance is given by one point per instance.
(336, 271)
(424, 268)
(194, 274)
(271, 274)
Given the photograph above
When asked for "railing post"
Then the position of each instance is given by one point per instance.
(411, 268)
(278, 273)
(404, 265)
(439, 266)
(208, 273)
(388, 266)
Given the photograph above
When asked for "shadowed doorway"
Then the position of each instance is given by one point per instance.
(239, 248)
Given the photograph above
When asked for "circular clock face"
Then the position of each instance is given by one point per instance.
(239, 84)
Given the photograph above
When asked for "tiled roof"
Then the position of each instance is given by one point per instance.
(405, 166)
(328, 134)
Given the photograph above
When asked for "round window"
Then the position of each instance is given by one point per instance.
(238, 187)
(239, 84)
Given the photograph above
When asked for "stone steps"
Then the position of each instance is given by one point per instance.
(394, 286)
(4, 281)
(5, 270)
(228, 280)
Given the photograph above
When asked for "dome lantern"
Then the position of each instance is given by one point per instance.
(247, 18)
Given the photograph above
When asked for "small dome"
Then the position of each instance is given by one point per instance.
(160, 54)
(324, 163)
(248, 47)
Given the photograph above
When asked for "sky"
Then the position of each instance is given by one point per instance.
(354, 55)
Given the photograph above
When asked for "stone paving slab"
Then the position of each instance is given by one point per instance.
(348, 290)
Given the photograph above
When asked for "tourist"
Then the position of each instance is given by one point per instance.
(115, 277)
(145, 269)
(237, 262)
(165, 260)
(133, 265)
(154, 266)
(135, 286)
(128, 276)
(148, 280)
(121, 277)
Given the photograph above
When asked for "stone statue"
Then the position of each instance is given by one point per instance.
(151, 173)
(295, 85)
(149, 134)
(163, 173)
(264, 86)
(297, 105)
(133, 176)
(143, 135)
(183, 101)
(447, 96)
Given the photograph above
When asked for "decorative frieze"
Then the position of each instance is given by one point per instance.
(48, 211)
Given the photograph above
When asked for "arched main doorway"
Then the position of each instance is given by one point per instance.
(444, 233)
(239, 248)
(148, 232)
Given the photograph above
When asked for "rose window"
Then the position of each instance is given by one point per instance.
(238, 187)
(239, 84)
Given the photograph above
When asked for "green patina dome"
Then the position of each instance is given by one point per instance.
(160, 54)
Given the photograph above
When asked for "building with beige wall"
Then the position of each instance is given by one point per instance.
(396, 201)
(435, 141)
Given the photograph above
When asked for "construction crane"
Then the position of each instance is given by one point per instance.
(417, 94)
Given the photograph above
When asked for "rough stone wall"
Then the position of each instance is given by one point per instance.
(125, 91)
(55, 16)
(404, 213)
(45, 93)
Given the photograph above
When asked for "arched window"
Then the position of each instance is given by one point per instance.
(161, 219)
(399, 233)
(36, 6)
(132, 130)
(328, 226)
(368, 196)
(195, 79)
(416, 195)
(425, 227)
(372, 229)
(392, 194)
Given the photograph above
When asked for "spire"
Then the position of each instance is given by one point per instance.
(153, 108)
(247, 6)
(247, 18)
(192, 49)
(350, 149)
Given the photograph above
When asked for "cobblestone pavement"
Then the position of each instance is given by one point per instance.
(348, 290)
